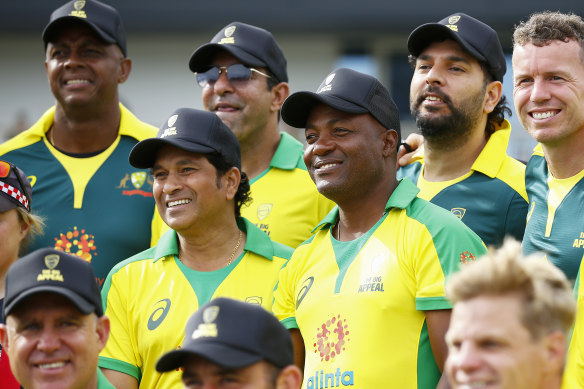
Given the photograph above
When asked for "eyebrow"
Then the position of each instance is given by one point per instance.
(451, 58)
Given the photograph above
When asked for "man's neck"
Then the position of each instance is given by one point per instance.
(211, 247)
(83, 131)
(444, 163)
(565, 160)
(257, 153)
(360, 212)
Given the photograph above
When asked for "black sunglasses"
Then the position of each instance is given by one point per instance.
(235, 74)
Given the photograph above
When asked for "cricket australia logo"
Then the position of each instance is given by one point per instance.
(458, 212)
(452, 22)
(78, 11)
(264, 210)
(138, 181)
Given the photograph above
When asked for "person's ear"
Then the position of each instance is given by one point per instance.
(290, 377)
(493, 94)
(280, 92)
(102, 330)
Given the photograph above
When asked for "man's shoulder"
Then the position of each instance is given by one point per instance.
(131, 126)
(31, 136)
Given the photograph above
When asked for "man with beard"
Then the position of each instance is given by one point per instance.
(457, 102)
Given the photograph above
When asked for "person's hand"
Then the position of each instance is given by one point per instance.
(406, 150)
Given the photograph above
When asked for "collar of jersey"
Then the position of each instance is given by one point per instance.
(288, 155)
(257, 242)
(493, 155)
(130, 125)
(401, 197)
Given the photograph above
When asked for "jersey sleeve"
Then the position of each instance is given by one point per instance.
(120, 352)
(573, 377)
(284, 306)
(437, 253)
(516, 217)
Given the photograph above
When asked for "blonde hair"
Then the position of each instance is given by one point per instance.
(548, 302)
(35, 223)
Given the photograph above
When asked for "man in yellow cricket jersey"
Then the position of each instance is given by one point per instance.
(243, 76)
(210, 251)
(364, 297)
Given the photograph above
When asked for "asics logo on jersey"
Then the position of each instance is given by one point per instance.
(458, 212)
(161, 310)
(303, 290)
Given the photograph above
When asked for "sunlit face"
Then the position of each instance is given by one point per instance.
(186, 189)
(200, 373)
(82, 69)
(488, 346)
(51, 344)
(246, 108)
(12, 232)
(548, 91)
(447, 92)
(346, 154)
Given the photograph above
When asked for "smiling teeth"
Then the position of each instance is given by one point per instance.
(543, 115)
(327, 165)
(53, 365)
(178, 202)
(433, 98)
(74, 82)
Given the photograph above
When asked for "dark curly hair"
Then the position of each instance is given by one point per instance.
(242, 196)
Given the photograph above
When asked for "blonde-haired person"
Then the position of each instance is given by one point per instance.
(510, 322)
(17, 225)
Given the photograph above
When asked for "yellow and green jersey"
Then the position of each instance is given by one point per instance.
(574, 371)
(491, 199)
(555, 222)
(360, 305)
(285, 203)
(149, 297)
(98, 207)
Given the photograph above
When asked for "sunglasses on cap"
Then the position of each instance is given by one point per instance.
(237, 73)
(5, 169)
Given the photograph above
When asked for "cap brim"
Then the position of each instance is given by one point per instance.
(56, 24)
(422, 36)
(143, 154)
(216, 353)
(298, 106)
(83, 305)
(202, 57)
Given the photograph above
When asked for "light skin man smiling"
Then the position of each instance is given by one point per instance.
(55, 326)
(527, 349)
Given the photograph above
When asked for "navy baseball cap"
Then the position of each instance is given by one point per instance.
(346, 90)
(103, 19)
(477, 38)
(52, 271)
(15, 189)
(232, 334)
(252, 45)
(191, 130)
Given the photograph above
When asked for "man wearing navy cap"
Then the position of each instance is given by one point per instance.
(209, 251)
(456, 100)
(55, 326)
(76, 155)
(243, 76)
(364, 297)
(228, 340)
